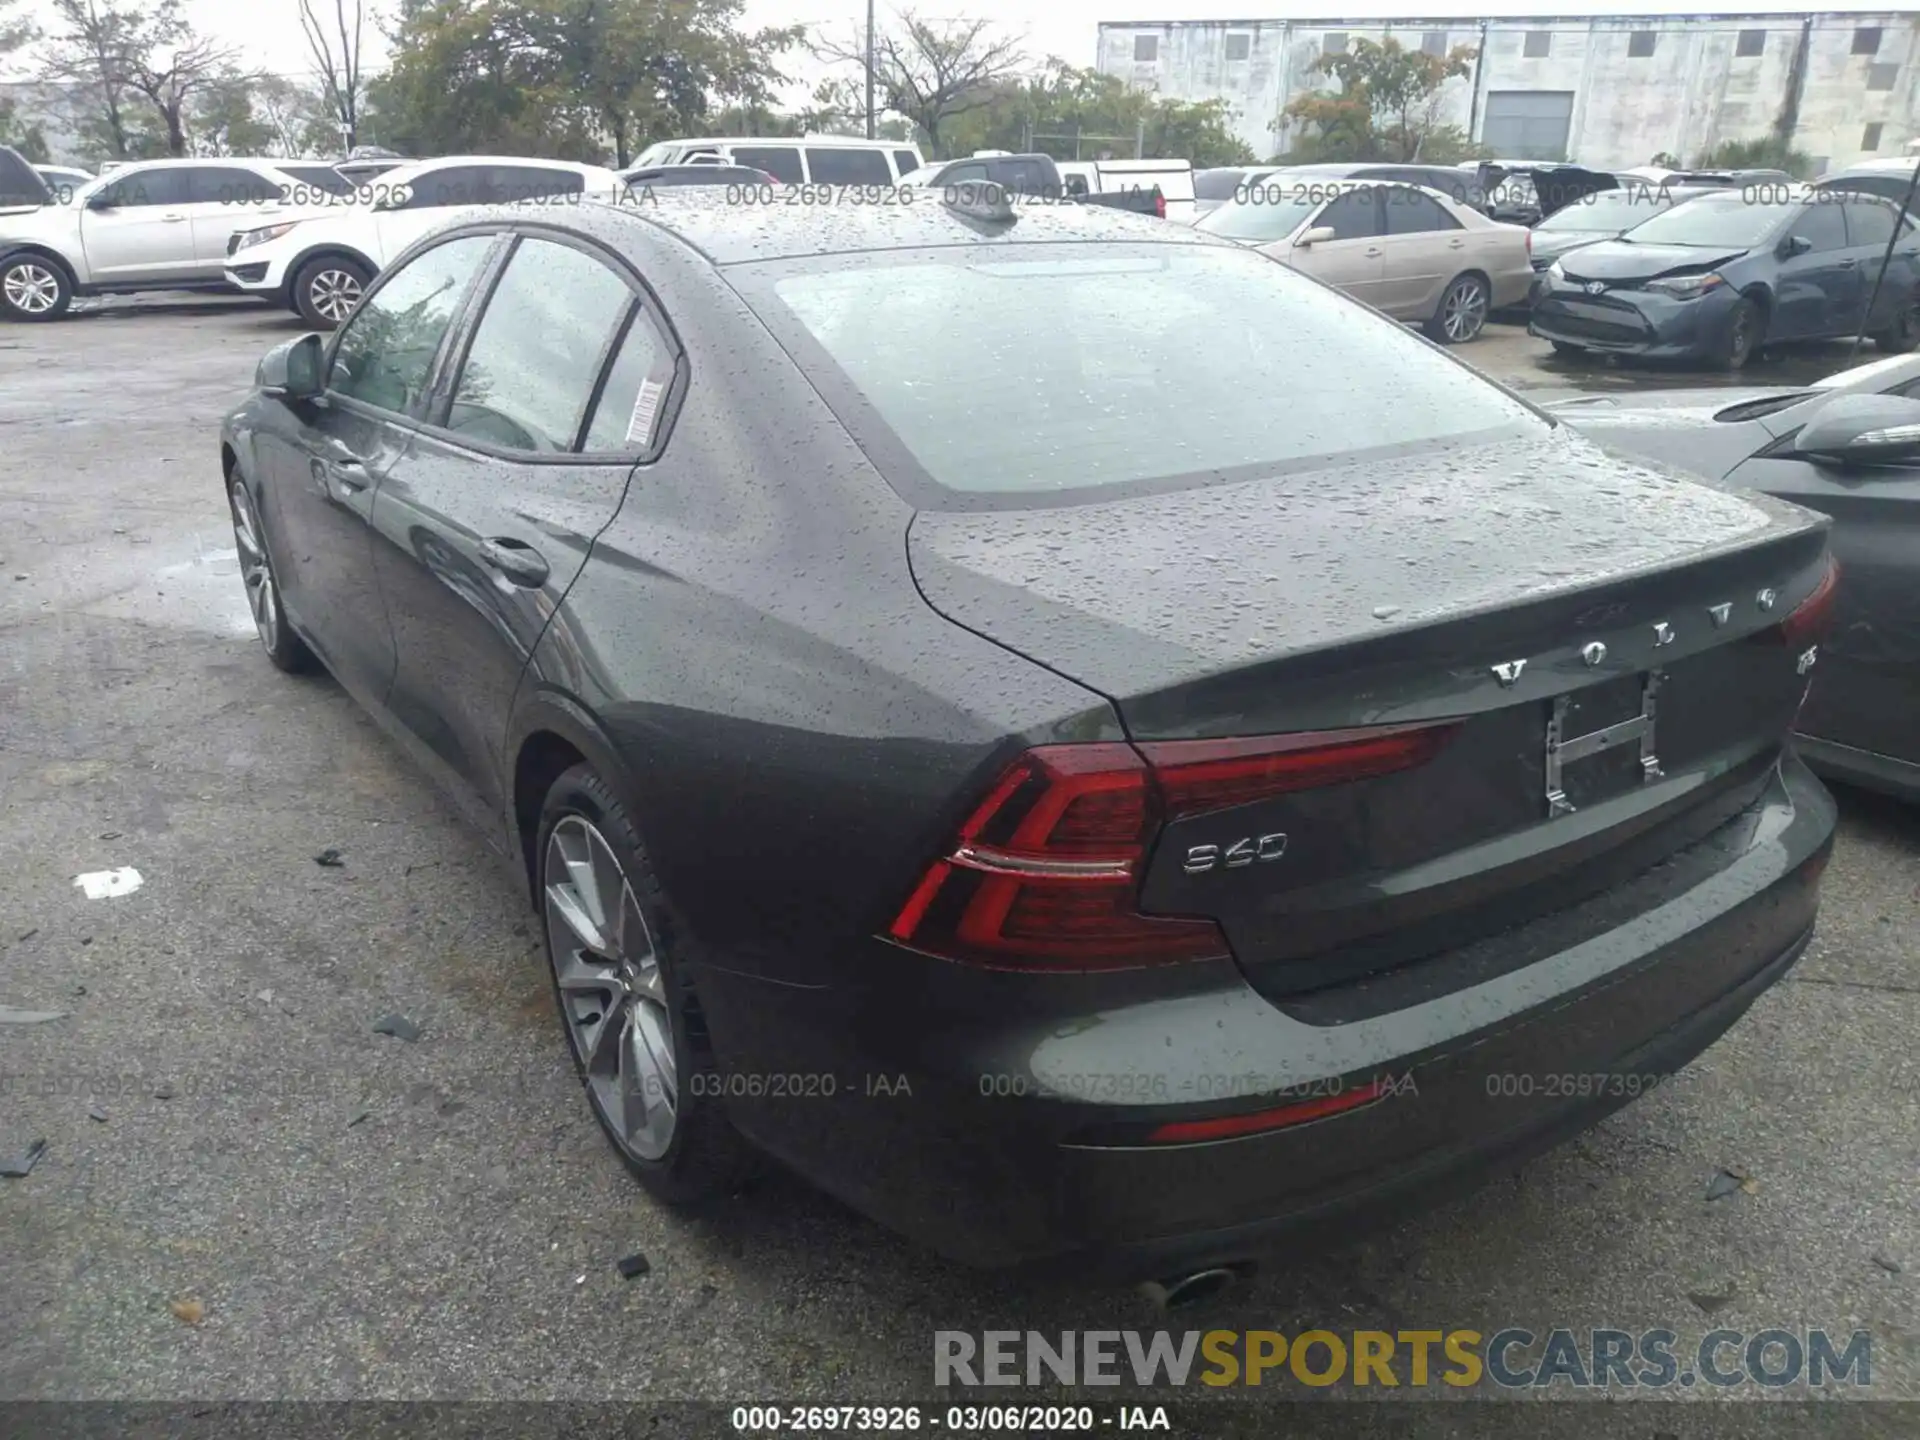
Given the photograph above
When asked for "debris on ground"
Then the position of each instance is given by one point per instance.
(18, 1167)
(633, 1266)
(94, 1112)
(189, 1312)
(1709, 1301)
(265, 997)
(11, 1016)
(1885, 1261)
(26, 935)
(163, 1091)
(1726, 1182)
(329, 859)
(398, 1026)
(358, 1116)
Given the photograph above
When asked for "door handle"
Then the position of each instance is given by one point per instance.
(1375, 253)
(515, 559)
(172, 219)
(347, 474)
(1848, 264)
(1456, 244)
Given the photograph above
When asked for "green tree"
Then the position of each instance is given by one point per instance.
(569, 78)
(174, 67)
(1074, 114)
(88, 51)
(225, 120)
(1388, 105)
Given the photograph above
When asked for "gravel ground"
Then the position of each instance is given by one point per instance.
(348, 1214)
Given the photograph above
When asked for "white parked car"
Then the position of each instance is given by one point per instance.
(148, 225)
(318, 264)
(810, 160)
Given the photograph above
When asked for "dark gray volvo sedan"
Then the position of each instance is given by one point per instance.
(1079, 739)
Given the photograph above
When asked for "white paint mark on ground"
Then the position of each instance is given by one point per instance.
(106, 884)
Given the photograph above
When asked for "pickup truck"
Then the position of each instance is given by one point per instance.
(1038, 175)
(1095, 180)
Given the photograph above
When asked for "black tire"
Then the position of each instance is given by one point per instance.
(1902, 338)
(706, 1158)
(284, 648)
(326, 288)
(1462, 312)
(33, 289)
(1741, 337)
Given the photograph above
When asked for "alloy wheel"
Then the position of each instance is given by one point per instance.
(32, 289)
(334, 293)
(613, 994)
(1463, 311)
(263, 596)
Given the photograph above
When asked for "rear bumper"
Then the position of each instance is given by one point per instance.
(1003, 1149)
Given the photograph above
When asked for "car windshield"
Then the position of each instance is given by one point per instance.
(1218, 184)
(1268, 210)
(1032, 370)
(1612, 210)
(924, 175)
(321, 177)
(1726, 221)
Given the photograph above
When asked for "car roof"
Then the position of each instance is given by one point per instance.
(852, 142)
(734, 234)
(401, 174)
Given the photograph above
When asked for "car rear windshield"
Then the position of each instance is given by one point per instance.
(1217, 184)
(1725, 221)
(1265, 210)
(1611, 209)
(1027, 370)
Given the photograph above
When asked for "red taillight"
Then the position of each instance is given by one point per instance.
(1043, 874)
(1813, 616)
(1159, 205)
(1529, 235)
(1226, 1127)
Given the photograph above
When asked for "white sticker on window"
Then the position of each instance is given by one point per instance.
(644, 406)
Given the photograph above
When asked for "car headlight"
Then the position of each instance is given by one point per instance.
(251, 238)
(1686, 287)
(1555, 274)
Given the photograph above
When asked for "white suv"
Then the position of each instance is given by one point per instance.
(151, 225)
(318, 265)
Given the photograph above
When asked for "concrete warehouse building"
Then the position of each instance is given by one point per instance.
(1605, 91)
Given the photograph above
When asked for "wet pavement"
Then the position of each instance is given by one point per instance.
(247, 1192)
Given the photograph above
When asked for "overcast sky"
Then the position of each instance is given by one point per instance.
(268, 31)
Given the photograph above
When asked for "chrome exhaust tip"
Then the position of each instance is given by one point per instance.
(1183, 1292)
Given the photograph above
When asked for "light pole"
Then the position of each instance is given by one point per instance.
(869, 69)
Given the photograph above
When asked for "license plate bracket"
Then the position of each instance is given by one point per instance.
(1568, 745)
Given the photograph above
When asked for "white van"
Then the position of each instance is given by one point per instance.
(1103, 177)
(810, 160)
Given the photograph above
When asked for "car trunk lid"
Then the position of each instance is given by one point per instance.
(1564, 616)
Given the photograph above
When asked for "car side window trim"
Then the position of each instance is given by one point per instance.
(646, 309)
(429, 403)
(603, 372)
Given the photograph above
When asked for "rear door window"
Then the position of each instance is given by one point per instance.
(780, 161)
(1023, 176)
(1868, 222)
(509, 184)
(840, 166)
(1355, 215)
(1822, 225)
(530, 373)
(904, 162)
(1411, 213)
(229, 185)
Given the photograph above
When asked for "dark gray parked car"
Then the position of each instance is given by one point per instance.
(961, 736)
(1605, 215)
(1715, 279)
(1849, 448)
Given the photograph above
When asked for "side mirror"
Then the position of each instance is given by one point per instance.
(291, 371)
(1315, 236)
(1863, 430)
(100, 200)
(1794, 245)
